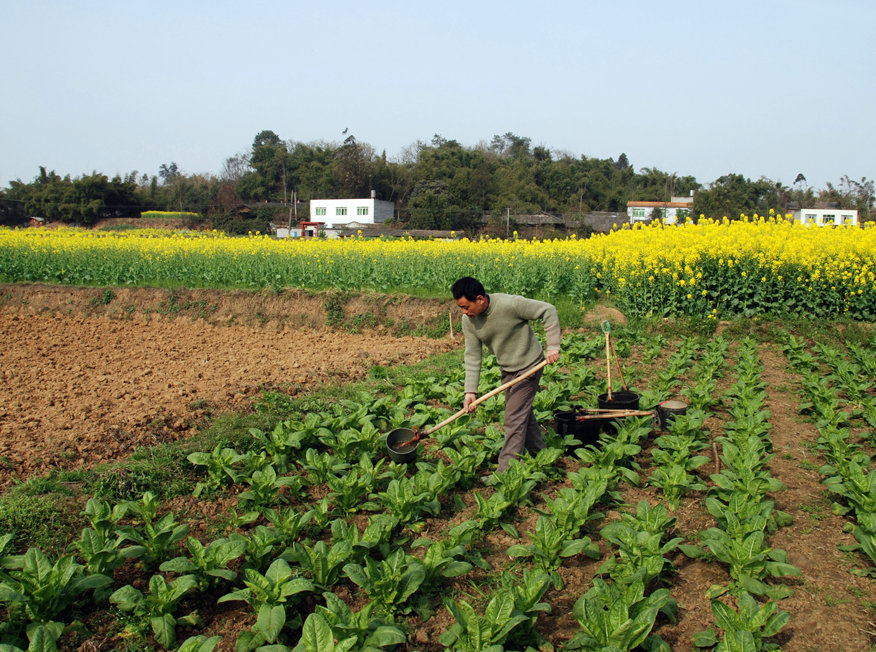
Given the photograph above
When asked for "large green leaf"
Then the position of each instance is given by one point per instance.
(725, 617)
(127, 598)
(356, 573)
(578, 546)
(199, 643)
(738, 641)
(316, 636)
(456, 568)
(295, 586)
(42, 639)
(386, 636)
(164, 629)
(775, 623)
(270, 621)
(410, 581)
(8, 594)
(278, 571)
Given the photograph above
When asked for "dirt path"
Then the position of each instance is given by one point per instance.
(77, 390)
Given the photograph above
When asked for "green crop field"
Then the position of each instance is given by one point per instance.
(301, 534)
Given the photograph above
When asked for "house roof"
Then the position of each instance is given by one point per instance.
(538, 219)
(661, 204)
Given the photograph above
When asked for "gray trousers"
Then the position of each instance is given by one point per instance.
(522, 431)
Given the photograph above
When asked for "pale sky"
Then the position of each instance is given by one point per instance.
(762, 88)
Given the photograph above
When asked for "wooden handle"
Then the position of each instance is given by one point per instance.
(617, 362)
(608, 362)
(478, 401)
(616, 415)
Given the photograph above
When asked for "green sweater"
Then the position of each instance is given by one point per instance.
(504, 329)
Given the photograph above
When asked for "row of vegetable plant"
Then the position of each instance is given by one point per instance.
(745, 516)
(837, 398)
(674, 454)
(621, 608)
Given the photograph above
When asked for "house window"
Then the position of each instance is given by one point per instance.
(362, 210)
(810, 218)
(638, 213)
(320, 210)
(828, 219)
(341, 210)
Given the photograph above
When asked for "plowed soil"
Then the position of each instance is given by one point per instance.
(81, 385)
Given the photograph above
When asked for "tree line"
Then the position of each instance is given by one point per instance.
(440, 184)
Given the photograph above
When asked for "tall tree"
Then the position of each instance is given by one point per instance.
(510, 144)
(850, 194)
(733, 194)
(352, 168)
(312, 170)
(270, 179)
(234, 168)
(168, 173)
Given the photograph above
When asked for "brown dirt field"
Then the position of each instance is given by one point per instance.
(81, 385)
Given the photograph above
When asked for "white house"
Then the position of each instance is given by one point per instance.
(668, 211)
(335, 212)
(826, 216)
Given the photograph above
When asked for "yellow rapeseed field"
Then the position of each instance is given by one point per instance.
(754, 265)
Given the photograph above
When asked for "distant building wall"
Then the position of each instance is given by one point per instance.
(826, 217)
(597, 221)
(668, 211)
(602, 221)
(334, 212)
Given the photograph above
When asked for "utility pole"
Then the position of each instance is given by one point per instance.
(508, 223)
(284, 183)
(295, 208)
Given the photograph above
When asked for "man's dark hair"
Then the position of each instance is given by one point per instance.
(468, 287)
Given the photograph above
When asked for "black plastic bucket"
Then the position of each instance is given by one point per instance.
(619, 401)
(403, 454)
(668, 410)
(568, 423)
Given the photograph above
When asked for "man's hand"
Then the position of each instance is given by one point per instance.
(467, 402)
(552, 356)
